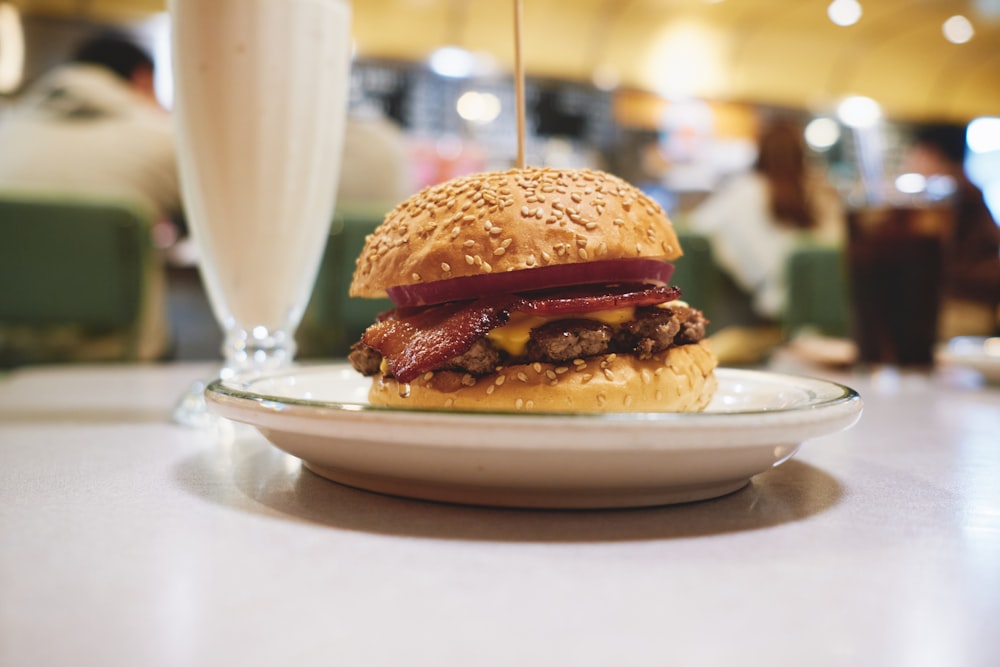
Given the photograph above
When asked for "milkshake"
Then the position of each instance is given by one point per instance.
(260, 105)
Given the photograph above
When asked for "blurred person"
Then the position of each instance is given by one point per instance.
(376, 166)
(92, 127)
(972, 259)
(755, 219)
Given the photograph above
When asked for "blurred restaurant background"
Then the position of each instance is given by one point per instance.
(669, 94)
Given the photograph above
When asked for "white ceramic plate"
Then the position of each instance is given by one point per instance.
(321, 415)
(978, 353)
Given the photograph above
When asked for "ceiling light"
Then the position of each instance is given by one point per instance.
(478, 108)
(958, 29)
(859, 112)
(844, 12)
(822, 133)
(983, 135)
(453, 62)
(606, 77)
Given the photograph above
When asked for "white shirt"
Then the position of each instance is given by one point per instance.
(751, 246)
(82, 130)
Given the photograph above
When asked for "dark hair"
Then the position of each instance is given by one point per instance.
(115, 52)
(948, 140)
(781, 160)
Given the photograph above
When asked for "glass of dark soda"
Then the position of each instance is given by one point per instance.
(895, 260)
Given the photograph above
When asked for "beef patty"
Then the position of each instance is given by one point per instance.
(653, 330)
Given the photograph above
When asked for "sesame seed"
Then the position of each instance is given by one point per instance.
(449, 403)
(496, 231)
(550, 374)
(537, 367)
(469, 243)
(415, 276)
(500, 380)
(519, 403)
(487, 267)
(522, 377)
(562, 369)
(446, 267)
(490, 389)
(468, 218)
(583, 253)
(530, 405)
(470, 260)
(587, 377)
(591, 225)
(499, 251)
(546, 257)
(628, 400)
(468, 380)
(647, 377)
(506, 243)
(576, 197)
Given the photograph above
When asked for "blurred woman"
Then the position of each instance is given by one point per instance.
(757, 218)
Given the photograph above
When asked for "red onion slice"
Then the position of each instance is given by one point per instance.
(641, 271)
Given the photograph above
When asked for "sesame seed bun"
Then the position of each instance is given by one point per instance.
(511, 220)
(681, 379)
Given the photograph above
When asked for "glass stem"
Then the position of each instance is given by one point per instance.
(256, 350)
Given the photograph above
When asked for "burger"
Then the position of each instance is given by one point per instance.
(533, 289)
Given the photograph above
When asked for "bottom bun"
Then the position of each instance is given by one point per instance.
(682, 379)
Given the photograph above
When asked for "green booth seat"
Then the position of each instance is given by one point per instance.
(817, 291)
(696, 273)
(74, 262)
(334, 320)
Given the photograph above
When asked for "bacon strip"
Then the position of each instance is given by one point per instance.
(415, 344)
(416, 340)
(588, 299)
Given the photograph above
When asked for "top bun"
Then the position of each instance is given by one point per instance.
(511, 220)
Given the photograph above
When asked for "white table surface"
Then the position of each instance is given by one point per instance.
(127, 540)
